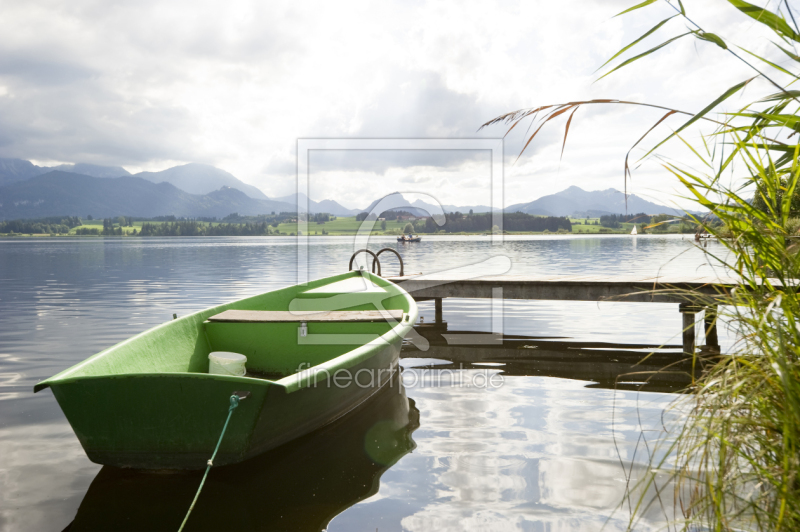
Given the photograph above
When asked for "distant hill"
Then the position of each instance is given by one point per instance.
(93, 170)
(13, 170)
(474, 208)
(193, 178)
(328, 206)
(197, 178)
(67, 194)
(576, 201)
(396, 201)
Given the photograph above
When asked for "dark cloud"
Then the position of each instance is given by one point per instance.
(31, 69)
(379, 161)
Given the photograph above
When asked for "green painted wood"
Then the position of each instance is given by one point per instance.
(148, 402)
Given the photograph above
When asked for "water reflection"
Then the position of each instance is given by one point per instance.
(299, 486)
(642, 367)
(537, 453)
(614, 370)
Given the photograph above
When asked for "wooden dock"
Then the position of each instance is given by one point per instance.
(634, 289)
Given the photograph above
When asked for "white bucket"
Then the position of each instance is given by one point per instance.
(225, 363)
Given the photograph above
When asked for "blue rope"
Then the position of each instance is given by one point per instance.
(234, 404)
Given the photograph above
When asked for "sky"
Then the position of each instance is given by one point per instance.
(235, 84)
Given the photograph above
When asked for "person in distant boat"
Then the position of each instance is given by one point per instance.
(408, 238)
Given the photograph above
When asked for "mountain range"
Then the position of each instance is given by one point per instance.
(59, 193)
(193, 178)
(397, 202)
(574, 201)
(198, 190)
(328, 206)
(200, 179)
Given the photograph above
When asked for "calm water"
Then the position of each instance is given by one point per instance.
(537, 453)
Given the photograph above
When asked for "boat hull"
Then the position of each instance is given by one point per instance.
(173, 420)
(305, 483)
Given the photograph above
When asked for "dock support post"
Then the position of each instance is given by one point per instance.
(688, 312)
(438, 305)
(710, 327)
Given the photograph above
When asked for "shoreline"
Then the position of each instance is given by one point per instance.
(423, 235)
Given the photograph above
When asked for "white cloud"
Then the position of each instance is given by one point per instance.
(235, 84)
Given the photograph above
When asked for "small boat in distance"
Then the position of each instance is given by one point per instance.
(634, 232)
(409, 238)
(313, 353)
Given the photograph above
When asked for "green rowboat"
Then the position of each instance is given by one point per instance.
(314, 352)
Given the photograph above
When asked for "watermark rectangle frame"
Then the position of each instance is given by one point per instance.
(304, 146)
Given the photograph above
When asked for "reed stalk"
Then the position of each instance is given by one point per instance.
(732, 457)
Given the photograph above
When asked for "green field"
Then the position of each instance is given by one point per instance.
(340, 226)
(345, 226)
(98, 224)
(586, 226)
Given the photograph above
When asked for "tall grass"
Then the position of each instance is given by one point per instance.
(733, 459)
(737, 453)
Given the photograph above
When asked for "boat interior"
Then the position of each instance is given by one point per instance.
(277, 331)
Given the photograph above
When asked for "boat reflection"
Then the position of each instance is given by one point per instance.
(299, 486)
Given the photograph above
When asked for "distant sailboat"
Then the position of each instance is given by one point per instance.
(634, 232)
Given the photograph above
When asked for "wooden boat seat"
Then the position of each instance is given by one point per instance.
(277, 316)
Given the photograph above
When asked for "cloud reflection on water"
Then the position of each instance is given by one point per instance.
(535, 454)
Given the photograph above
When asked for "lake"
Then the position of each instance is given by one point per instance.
(542, 451)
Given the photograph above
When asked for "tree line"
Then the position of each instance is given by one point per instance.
(58, 225)
(109, 229)
(457, 222)
(388, 215)
(614, 220)
(194, 228)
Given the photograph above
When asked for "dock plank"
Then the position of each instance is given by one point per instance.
(575, 287)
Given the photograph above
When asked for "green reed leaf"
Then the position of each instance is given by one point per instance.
(710, 37)
(786, 95)
(770, 63)
(778, 120)
(637, 41)
(787, 52)
(648, 52)
(637, 6)
(767, 18)
(727, 94)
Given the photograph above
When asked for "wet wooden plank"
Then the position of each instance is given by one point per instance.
(275, 316)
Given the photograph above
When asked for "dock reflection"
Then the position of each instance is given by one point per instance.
(299, 486)
(642, 367)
